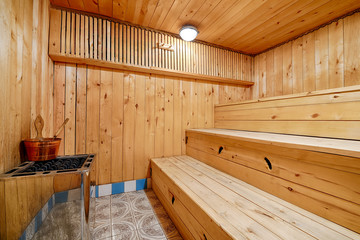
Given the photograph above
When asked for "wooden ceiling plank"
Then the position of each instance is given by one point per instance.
(220, 9)
(119, 9)
(77, 4)
(130, 11)
(91, 6)
(204, 11)
(306, 23)
(61, 3)
(240, 11)
(138, 9)
(106, 7)
(176, 9)
(160, 13)
(186, 15)
(147, 11)
(294, 12)
(254, 21)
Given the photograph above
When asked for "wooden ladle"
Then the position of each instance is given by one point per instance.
(61, 127)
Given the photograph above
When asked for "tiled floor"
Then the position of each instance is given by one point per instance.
(132, 215)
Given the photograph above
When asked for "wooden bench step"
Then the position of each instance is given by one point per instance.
(210, 204)
(319, 175)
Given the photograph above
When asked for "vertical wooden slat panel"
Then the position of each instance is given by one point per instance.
(81, 109)
(121, 42)
(93, 114)
(270, 73)
(352, 50)
(89, 46)
(96, 37)
(278, 71)
(59, 101)
(262, 76)
(140, 163)
(169, 117)
(177, 117)
(128, 46)
(159, 116)
(72, 34)
(287, 68)
(105, 41)
(63, 32)
(322, 58)
(200, 111)
(135, 43)
(129, 126)
(116, 42)
(336, 54)
(68, 33)
(104, 159)
(297, 62)
(209, 106)
(194, 102)
(117, 127)
(70, 108)
(77, 35)
(309, 62)
(55, 27)
(150, 82)
(186, 112)
(82, 36)
(112, 42)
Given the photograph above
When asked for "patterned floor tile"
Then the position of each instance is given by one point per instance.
(121, 225)
(151, 233)
(132, 235)
(120, 210)
(146, 220)
(102, 230)
(132, 215)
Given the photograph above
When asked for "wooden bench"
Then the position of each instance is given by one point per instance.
(302, 148)
(206, 203)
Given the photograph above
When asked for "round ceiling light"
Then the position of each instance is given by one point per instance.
(188, 32)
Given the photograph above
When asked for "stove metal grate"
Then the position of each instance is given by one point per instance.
(60, 163)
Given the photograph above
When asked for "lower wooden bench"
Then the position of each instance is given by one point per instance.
(205, 203)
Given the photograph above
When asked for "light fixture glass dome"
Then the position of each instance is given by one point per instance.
(188, 32)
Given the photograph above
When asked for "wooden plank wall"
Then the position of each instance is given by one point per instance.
(26, 72)
(323, 59)
(86, 37)
(126, 118)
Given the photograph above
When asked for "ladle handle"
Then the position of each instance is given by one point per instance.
(61, 127)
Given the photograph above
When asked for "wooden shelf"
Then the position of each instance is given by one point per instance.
(153, 70)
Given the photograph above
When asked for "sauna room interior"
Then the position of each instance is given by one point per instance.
(179, 119)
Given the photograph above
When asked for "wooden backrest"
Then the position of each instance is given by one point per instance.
(329, 113)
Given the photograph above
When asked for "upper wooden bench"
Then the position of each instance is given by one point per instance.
(331, 113)
(206, 203)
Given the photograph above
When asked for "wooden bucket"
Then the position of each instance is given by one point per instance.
(42, 150)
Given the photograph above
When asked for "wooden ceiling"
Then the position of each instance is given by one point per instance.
(249, 26)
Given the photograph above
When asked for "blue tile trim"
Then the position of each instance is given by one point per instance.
(50, 204)
(23, 236)
(61, 197)
(38, 220)
(97, 191)
(141, 184)
(117, 188)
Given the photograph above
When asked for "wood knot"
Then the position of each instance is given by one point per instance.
(273, 117)
(336, 96)
(290, 189)
(136, 105)
(297, 175)
(315, 115)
